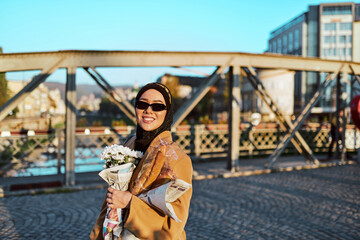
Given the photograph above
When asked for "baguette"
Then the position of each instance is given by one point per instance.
(150, 170)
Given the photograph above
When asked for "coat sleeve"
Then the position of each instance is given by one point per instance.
(147, 223)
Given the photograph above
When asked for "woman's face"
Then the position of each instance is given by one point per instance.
(149, 119)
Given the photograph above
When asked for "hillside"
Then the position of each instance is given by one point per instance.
(81, 89)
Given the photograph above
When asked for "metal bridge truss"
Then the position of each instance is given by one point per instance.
(237, 65)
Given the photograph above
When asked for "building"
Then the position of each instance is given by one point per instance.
(89, 103)
(329, 31)
(181, 86)
(279, 84)
(40, 101)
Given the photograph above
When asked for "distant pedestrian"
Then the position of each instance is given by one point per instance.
(335, 137)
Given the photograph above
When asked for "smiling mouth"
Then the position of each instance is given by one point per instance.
(148, 119)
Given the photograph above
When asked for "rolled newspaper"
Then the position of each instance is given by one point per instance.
(162, 196)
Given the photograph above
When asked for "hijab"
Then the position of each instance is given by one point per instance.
(144, 138)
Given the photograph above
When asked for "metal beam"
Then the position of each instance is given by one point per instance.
(121, 96)
(356, 75)
(30, 61)
(33, 84)
(299, 143)
(114, 97)
(70, 141)
(189, 105)
(299, 120)
(234, 117)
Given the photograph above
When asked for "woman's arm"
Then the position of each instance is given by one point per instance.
(97, 231)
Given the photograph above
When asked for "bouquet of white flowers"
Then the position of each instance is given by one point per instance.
(120, 163)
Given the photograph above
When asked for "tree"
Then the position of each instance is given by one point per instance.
(108, 108)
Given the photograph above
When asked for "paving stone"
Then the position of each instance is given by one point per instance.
(321, 203)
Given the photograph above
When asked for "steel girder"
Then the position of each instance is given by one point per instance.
(33, 61)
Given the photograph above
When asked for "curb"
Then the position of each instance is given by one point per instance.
(65, 189)
(274, 170)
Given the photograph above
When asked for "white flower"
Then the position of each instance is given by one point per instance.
(115, 155)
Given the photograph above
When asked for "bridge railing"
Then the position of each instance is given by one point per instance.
(45, 149)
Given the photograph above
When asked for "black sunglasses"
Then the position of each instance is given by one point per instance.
(157, 107)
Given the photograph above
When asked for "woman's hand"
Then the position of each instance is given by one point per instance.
(117, 199)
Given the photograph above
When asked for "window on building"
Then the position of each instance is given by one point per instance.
(349, 38)
(342, 39)
(357, 11)
(333, 51)
(290, 42)
(284, 44)
(279, 45)
(345, 26)
(274, 46)
(329, 26)
(336, 10)
(324, 52)
(334, 39)
(296, 39)
(327, 39)
(343, 51)
(349, 52)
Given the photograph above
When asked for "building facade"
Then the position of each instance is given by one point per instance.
(328, 31)
(40, 102)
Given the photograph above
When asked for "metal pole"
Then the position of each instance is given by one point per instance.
(351, 97)
(197, 139)
(337, 133)
(70, 127)
(234, 117)
(59, 147)
(343, 136)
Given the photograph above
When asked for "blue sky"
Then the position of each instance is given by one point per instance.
(187, 25)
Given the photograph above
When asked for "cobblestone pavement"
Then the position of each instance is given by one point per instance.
(321, 203)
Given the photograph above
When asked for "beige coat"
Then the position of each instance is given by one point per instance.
(142, 220)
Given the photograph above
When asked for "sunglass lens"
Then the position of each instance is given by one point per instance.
(142, 105)
(158, 107)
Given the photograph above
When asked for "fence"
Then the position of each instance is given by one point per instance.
(24, 149)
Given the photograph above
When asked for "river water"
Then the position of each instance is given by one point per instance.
(48, 165)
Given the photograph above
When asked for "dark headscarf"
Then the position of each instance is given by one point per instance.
(144, 138)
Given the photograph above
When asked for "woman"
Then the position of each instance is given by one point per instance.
(154, 115)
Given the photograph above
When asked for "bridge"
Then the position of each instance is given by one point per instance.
(236, 64)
